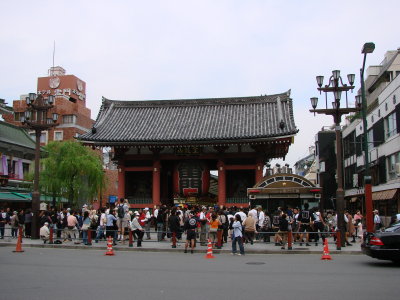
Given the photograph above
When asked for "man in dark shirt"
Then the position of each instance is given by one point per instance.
(304, 220)
(190, 229)
(283, 229)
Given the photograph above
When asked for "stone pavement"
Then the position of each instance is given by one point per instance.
(165, 246)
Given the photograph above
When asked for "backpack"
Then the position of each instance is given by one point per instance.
(121, 211)
(276, 220)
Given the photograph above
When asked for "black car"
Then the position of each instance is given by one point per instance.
(383, 245)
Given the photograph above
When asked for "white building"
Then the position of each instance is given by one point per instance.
(383, 125)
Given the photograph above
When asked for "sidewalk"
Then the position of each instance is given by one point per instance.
(165, 246)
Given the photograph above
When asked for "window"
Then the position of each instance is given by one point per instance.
(18, 115)
(370, 139)
(391, 125)
(392, 161)
(69, 119)
(43, 137)
(394, 99)
(58, 135)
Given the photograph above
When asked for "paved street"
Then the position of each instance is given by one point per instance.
(41, 273)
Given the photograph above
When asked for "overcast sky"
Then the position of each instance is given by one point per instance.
(145, 50)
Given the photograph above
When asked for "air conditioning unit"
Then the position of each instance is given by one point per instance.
(355, 180)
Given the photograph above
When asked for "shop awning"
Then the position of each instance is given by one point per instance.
(14, 197)
(26, 197)
(384, 195)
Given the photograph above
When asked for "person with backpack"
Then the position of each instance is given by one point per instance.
(122, 221)
(304, 220)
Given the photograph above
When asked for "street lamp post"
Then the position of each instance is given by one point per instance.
(367, 48)
(336, 86)
(36, 118)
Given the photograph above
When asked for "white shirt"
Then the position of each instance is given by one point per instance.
(261, 217)
(242, 215)
(254, 213)
(102, 218)
(377, 220)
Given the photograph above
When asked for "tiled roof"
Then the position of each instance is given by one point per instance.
(193, 121)
(11, 134)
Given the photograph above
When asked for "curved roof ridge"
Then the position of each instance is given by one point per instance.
(198, 101)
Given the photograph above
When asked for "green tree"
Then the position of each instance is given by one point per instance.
(73, 171)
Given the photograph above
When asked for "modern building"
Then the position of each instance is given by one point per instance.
(165, 150)
(383, 121)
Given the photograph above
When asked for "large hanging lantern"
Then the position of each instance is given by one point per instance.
(191, 178)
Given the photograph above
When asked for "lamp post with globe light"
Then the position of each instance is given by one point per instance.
(336, 109)
(36, 119)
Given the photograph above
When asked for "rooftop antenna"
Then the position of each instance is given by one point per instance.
(54, 53)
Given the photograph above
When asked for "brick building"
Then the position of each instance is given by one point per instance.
(74, 118)
(70, 104)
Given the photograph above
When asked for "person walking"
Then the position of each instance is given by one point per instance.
(237, 235)
(85, 227)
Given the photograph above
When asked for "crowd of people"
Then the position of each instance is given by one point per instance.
(199, 224)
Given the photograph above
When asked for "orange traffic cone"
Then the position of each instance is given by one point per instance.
(209, 250)
(110, 251)
(19, 242)
(326, 255)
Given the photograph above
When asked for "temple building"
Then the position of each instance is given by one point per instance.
(166, 149)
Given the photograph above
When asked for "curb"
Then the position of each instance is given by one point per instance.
(178, 250)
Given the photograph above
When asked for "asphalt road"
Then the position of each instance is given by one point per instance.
(74, 274)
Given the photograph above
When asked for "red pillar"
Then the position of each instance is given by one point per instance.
(259, 171)
(221, 183)
(121, 182)
(369, 216)
(156, 182)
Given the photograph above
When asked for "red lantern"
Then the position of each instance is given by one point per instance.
(191, 178)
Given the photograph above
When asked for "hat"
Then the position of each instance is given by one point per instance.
(46, 223)
(146, 208)
(136, 213)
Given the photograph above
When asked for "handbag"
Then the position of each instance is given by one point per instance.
(85, 226)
